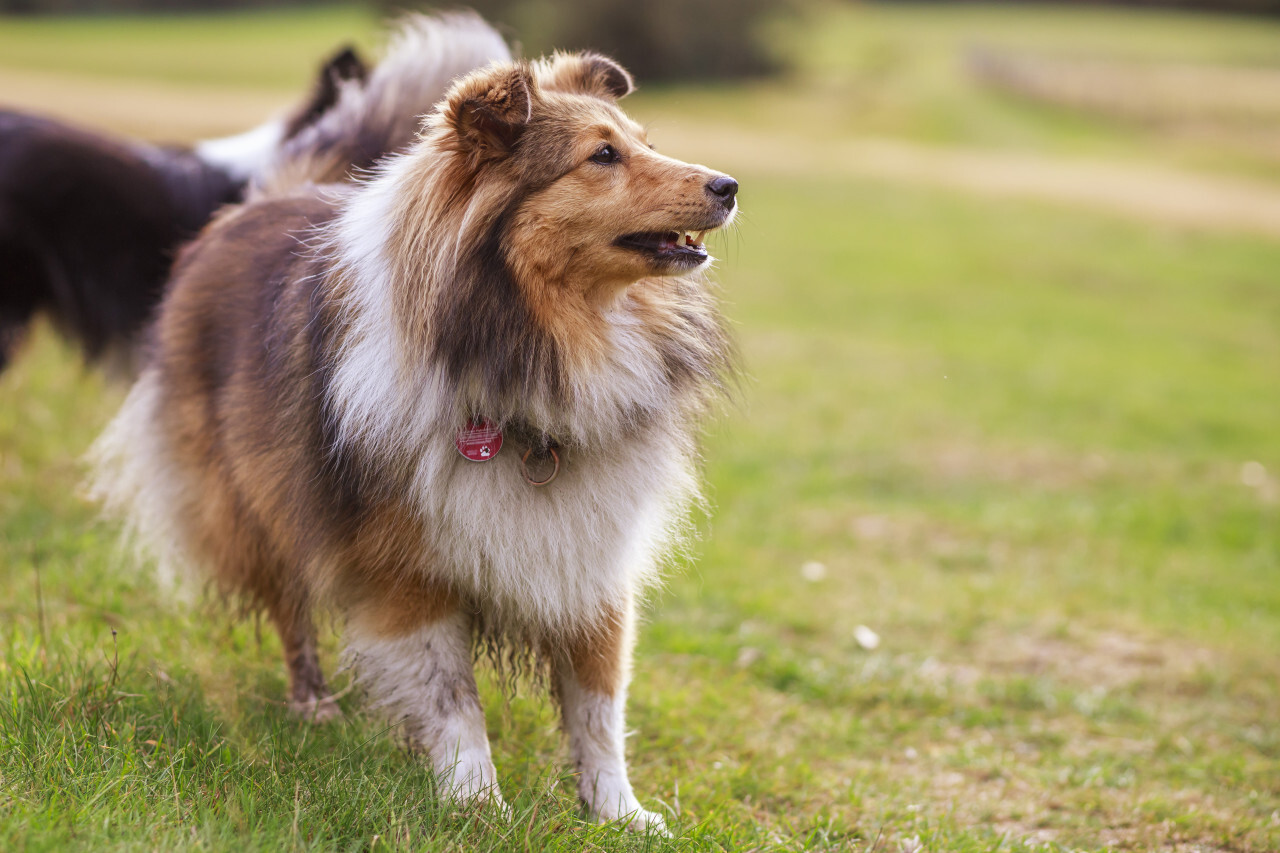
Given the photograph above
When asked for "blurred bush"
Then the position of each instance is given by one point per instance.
(655, 39)
(1192, 96)
(97, 7)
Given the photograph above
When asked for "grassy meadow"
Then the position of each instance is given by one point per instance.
(994, 554)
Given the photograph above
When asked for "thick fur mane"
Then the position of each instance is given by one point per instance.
(382, 114)
(425, 280)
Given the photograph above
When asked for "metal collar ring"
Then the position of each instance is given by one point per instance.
(525, 471)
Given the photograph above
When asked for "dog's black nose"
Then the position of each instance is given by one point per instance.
(724, 187)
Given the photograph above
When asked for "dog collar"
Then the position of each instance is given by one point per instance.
(481, 439)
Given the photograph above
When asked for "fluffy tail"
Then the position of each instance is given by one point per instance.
(133, 480)
(382, 115)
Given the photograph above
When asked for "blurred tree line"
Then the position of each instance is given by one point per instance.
(1245, 7)
(612, 14)
(101, 7)
(656, 39)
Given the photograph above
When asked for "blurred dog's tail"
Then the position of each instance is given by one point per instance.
(382, 115)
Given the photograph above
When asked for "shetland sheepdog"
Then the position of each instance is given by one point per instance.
(458, 400)
(89, 223)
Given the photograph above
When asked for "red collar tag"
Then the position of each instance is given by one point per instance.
(479, 440)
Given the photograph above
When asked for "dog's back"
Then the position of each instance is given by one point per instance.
(86, 223)
(89, 223)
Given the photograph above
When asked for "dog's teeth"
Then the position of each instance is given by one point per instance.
(698, 239)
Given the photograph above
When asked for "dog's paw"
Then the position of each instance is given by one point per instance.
(473, 780)
(614, 803)
(639, 821)
(318, 710)
(487, 799)
(498, 806)
(646, 821)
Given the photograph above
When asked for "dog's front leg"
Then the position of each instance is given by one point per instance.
(591, 679)
(422, 675)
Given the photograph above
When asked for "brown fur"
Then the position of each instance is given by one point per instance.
(506, 280)
(555, 228)
(392, 606)
(245, 379)
(599, 654)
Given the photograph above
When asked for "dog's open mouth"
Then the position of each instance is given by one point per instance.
(668, 248)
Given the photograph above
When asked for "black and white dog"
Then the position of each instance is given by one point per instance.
(89, 223)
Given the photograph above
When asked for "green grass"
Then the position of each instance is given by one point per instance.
(899, 70)
(1015, 436)
(273, 49)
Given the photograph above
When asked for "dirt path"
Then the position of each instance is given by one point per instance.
(177, 112)
(156, 110)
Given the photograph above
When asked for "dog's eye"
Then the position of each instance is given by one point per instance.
(605, 155)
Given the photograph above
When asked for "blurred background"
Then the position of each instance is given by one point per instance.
(994, 552)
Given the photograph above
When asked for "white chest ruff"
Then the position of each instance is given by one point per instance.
(547, 558)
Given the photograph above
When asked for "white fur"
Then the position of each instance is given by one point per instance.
(369, 384)
(544, 558)
(596, 729)
(135, 480)
(425, 54)
(246, 154)
(552, 559)
(425, 681)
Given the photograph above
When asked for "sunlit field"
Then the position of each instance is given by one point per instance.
(993, 558)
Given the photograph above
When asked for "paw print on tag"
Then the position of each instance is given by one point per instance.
(479, 441)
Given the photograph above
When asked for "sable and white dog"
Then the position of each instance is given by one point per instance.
(90, 223)
(458, 400)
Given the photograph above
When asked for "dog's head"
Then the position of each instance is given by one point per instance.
(534, 247)
(587, 203)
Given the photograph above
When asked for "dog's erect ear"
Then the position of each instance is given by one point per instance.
(587, 73)
(490, 108)
(345, 66)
